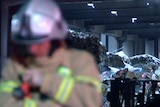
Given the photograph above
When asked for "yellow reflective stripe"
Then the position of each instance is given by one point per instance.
(30, 103)
(68, 90)
(61, 89)
(87, 79)
(8, 86)
(66, 86)
(68, 82)
(65, 90)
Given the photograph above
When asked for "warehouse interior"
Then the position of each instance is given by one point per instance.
(131, 26)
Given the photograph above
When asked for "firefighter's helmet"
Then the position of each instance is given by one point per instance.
(38, 21)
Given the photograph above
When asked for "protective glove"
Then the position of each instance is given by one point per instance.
(33, 77)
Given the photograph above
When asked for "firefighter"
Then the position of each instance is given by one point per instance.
(42, 70)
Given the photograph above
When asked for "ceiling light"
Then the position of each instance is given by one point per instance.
(152, 24)
(148, 3)
(91, 5)
(114, 12)
(134, 19)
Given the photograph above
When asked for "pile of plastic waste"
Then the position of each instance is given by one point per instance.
(119, 65)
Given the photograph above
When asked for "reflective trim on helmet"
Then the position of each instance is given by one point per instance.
(41, 24)
(15, 24)
(29, 41)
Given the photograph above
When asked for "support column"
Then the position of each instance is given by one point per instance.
(128, 48)
(112, 44)
(156, 47)
(104, 40)
(1, 33)
(159, 47)
(4, 27)
(140, 45)
(4, 33)
(129, 45)
(149, 47)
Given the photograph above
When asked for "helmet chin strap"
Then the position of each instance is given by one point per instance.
(63, 44)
